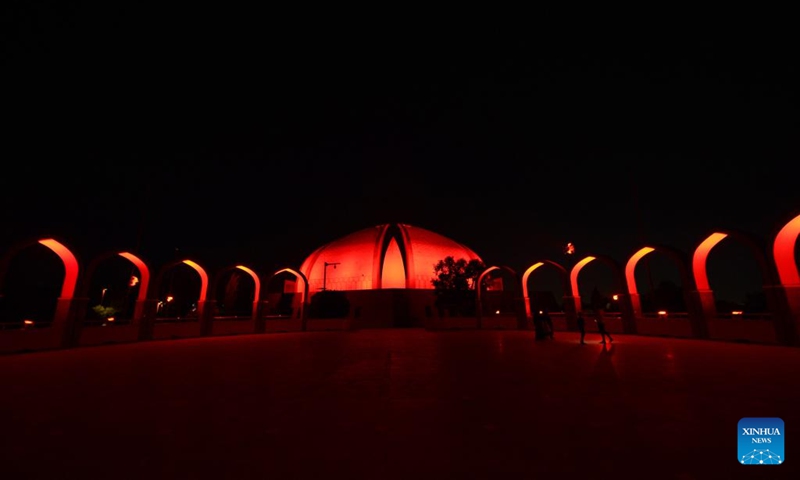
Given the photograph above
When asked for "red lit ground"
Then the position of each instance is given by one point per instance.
(403, 404)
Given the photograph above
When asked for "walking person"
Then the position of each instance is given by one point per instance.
(601, 328)
(581, 327)
(548, 323)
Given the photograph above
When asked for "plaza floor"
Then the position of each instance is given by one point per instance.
(399, 404)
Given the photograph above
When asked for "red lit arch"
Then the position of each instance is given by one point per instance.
(677, 256)
(203, 279)
(257, 293)
(630, 268)
(701, 256)
(526, 275)
(70, 266)
(297, 274)
(783, 253)
(479, 282)
(573, 276)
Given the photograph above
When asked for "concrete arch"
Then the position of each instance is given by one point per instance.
(217, 278)
(195, 266)
(141, 266)
(526, 275)
(573, 276)
(783, 253)
(301, 276)
(703, 249)
(678, 257)
(479, 289)
(68, 260)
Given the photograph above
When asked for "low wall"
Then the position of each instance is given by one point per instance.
(452, 323)
(749, 330)
(99, 335)
(283, 325)
(671, 327)
(163, 330)
(232, 327)
(499, 322)
(33, 339)
(328, 324)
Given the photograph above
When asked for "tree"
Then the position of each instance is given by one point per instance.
(455, 283)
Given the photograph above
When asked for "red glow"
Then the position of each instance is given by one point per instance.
(574, 274)
(394, 271)
(110, 319)
(203, 279)
(70, 266)
(359, 259)
(170, 298)
(700, 257)
(143, 271)
(736, 312)
(630, 268)
(28, 322)
(255, 279)
(783, 252)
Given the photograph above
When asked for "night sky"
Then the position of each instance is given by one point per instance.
(249, 137)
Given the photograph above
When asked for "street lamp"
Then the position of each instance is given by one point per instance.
(325, 273)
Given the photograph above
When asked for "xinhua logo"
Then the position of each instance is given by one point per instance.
(761, 441)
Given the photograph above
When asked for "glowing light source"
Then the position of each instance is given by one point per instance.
(630, 268)
(110, 319)
(27, 322)
(134, 281)
(700, 257)
(662, 314)
(144, 272)
(736, 312)
(569, 249)
(170, 298)
(497, 312)
(615, 297)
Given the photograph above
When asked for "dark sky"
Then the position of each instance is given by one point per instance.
(251, 137)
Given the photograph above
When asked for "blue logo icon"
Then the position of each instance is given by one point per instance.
(761, 441)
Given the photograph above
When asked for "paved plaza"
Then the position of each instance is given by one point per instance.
(395, 404)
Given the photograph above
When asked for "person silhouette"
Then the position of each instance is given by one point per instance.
(581, 327)
(601, 327)
(548, 322)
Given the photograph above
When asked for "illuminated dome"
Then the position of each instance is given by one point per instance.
(384, 256)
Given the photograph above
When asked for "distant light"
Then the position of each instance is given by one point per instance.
(736, 312)
(615, 297)
(134, 280)
(497, 312)
(110, 319)
(569, 249)
(540, 312)
(662, 313)
(170, 298)
(28, 322)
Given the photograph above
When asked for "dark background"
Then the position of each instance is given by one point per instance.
(257, 136)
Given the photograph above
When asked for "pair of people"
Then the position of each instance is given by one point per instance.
(543, 325)
(601, 328)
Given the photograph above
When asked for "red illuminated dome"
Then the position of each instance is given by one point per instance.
(384, 256)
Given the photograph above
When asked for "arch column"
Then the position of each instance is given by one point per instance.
(701, 307)
(784, 302)
(146, 317)
(68, 318)
(205, 315)
(572, 305)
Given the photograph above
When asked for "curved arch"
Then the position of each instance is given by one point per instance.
(783, 253)
(676, 255)
(526, 275)
(203, 279)
(143, 271)
(257, 292)
(137, 262)
(297, 274)
(700, 256)
(699, 259)
(630, 268)
(573, 276)
(70, 266)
